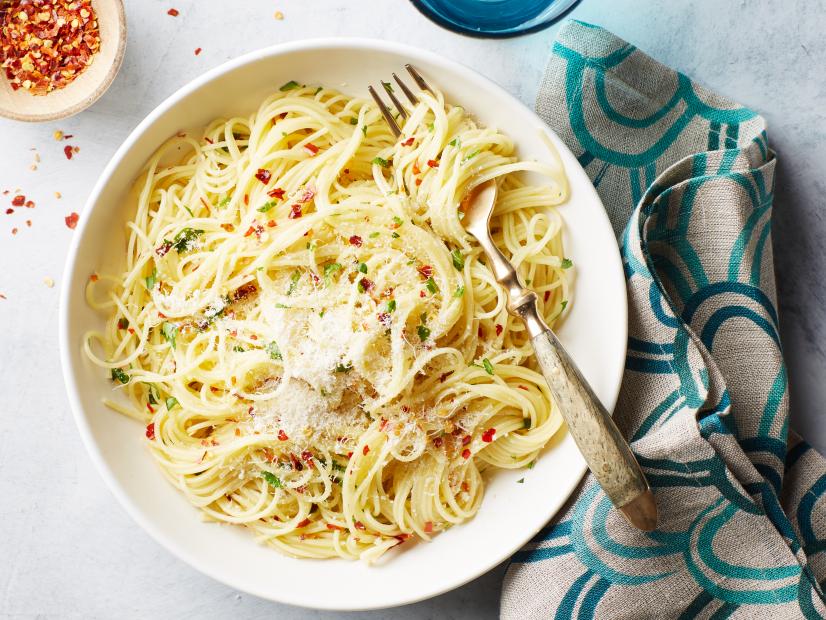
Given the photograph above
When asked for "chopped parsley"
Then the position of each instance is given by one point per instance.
(318, 90)
(397, 220)
(454, 142)
(373, 235)
(272, 479)
(185, 239)
(293, 282)
(363, 267)
(472, 155)
(532, 464)
(381, 162)
(431, 126)
(273, 351)
(224, 202)
(267, 206)
(563, 304)
(354, 120)
(119, 375)
(395, 235)
(279, 305)
(188, 210)
(171, 402)
(343, 368)
(239, 349)
(424, 332)
(292, 84)
(488, 366)
(364, 130)
(460, 291)
(520, 481)
(170, 332)
(431, 286)
(567, 263)
(458, 259)
(151, 279)
(391, 305)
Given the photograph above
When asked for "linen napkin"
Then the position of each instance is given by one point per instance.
(687, 179)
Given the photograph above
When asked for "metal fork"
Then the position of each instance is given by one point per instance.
(605, 450)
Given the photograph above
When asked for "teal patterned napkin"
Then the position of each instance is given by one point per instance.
(688, 177)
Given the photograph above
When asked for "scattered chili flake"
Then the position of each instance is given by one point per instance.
(307, 195)
(428, 527)
(365, 450)
(150, 430)
(409, 141)
(162, 249)
(433, 163)
(71, 220)
(149, 406)
(94, 277)
(466, 453)
(47, 44)
(546, 296)
(271, 224)
(480, 332)
(465, 487)
(295, 212)
(312, 148)
(173, 12)
(426, 271)
(14, 231)
(333, 527)
(9, 211)
(487, 436)
(197, 50)
(466, 440)
(263, 175)
(297, 466)
(403, 537)
(523, 387)
(365, 285)
(383, 424)
(123, 323)
(276, 193)
(303, 523)
(307, 457)
(29, 204)
(18, 201)
(498, 329)
(456, 432)
(246, 199)
(416, 169)
(68, 152)
(418, 181)
(282, 436)
(359, 525)
(438, 441)
(228, 227)
(355, 240)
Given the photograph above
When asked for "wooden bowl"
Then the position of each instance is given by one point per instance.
(87, 88)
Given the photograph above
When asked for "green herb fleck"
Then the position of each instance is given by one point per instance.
(354, 120)
(373, 235)
(454, 142)
(171, 402)
(329, 270)
(431, 286)
(532, 464)
(239, 349)
(363, 267)
(458, 259)
(488, 366)
(224, 202)
(151, 279)
(318, 90)
(397, 220)
(460, 291)
(391, 305)
(364, 130)
(188, 210)
(272, 479)
(273, 351)
(170, 332)
(289, 86)
(267, 206)
(293, 282)
(431, 126)
(343, 368)
(395, 235)
(381, 162)
(183, 241)
(563, 304)
(567, 263)
(280, 305)
(472, 155)
(424, 332)
(119, 375)
(520, 481)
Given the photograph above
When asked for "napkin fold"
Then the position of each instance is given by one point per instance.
(687, 179)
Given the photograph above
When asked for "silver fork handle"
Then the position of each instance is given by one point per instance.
(605, 450)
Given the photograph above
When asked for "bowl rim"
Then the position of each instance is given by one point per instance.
(92, 97)
(67, 365)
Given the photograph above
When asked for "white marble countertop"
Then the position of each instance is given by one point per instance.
(67, 548)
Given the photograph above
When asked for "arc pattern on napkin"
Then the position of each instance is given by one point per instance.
(687, 179)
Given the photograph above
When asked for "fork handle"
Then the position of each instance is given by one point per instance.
(605, 450)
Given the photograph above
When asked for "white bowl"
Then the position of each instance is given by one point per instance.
(595, 334)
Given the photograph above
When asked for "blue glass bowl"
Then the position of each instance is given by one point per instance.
(494, 18)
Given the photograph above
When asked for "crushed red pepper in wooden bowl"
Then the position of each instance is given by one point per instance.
(46, 44)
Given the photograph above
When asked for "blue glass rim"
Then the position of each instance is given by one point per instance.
(424, 7)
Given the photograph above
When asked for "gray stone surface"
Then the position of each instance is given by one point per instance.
(67, 549)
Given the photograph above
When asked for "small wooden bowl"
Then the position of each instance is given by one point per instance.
(89, 85)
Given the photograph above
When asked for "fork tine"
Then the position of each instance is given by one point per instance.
(417, 77)
(413, 99)
(385, 112)
(389, 88)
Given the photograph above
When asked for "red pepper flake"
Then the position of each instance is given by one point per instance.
(173, 12)
(426, 271)
(405, 409)
(269, 455)
(456, 432)
(18, 201)
(383, 424)
(150, 430)
(383, 318)
(523, 387)
(208, 140)
(365, 284)
(356, 241)
(465, 487)
(349, 454)
(9, 211)
(438, 441)
(162, 249)
(487, 436)
(547, 296)
(68, 152)
(71, 220)
(149, 406)
(14, 231)
(421, 294)
(409, 141)
(333, 527)
(428, 527)
(403, 537)
(295, 212)
(94, 277)
(296, 463)
(3, 296)
(303, 523)
(197, 50)
(276, 193)
(418, 182)
(307, 195)
(312, 148)
(253, 337)
(272, 224)
(433, 163)
(282, 436)
(359, 525)
(263, 175)
(466, 440)
(416, 169)
(465, 454)
(498, 329)
(246, 199)
(123, 323)
(365, 450)
(228, 227)
(480, 332)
